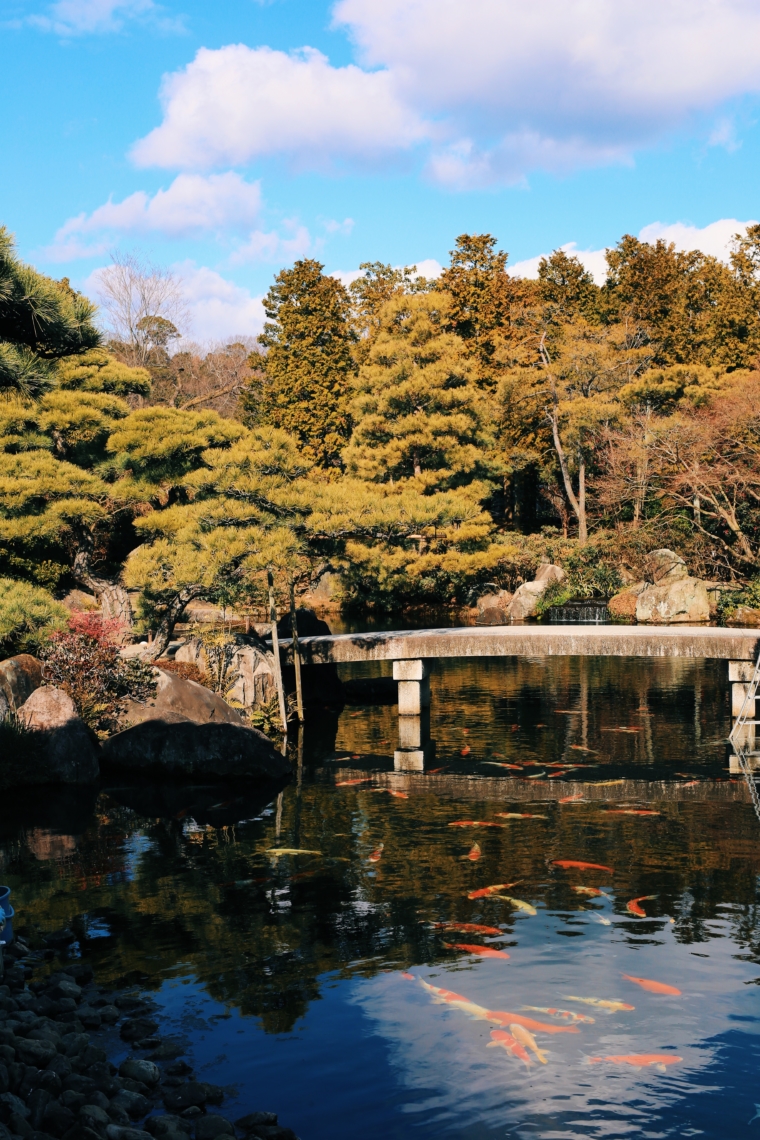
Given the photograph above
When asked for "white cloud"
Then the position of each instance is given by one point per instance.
(271, 246)
(487, 90)
(191, 205)
(715, 238)
(238, 103)
(79, 17)
(429, 268)
(218, 308)
(592, 260)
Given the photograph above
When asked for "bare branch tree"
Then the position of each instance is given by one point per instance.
(145, 306)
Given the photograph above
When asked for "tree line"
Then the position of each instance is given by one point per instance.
(427, 438)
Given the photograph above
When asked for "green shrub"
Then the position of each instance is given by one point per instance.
(730, 600)
(28, 615)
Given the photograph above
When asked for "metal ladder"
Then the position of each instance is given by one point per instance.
(747, 716)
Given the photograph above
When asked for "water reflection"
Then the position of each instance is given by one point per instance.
(303, 955)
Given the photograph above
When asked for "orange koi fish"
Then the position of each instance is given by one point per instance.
(527, 1040)
(350, 783)
(572, 712)
(507, 1042)
(465, 751)
(553, 775)
(393, 792)
(632, 906)
(474, 853)
(500, 764)
(505, 1018)
(469, 928)
(566, 863)
(409, 977)
(519, 815)
(580, 748)
(474, 823)
(572, 799)
(482, 951)
(601, 1003)
(375, 856)
(448, 997)
(494, 890)
(594, 891)
(690, 783)
(640, 1060)
(565, 1014)
(630, 811)
(653, 987)
(536, 776)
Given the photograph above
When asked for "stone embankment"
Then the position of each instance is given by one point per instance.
(56, 1079)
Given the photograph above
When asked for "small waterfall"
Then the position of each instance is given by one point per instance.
(579, 613)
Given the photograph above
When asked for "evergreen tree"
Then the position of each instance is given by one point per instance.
(41, 320)
(309, 363)
(566, 288)
(417, 411)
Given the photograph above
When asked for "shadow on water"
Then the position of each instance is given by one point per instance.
(288, 932)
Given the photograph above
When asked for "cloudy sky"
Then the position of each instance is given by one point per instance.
(227, 139)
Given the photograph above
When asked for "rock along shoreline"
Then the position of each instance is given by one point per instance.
(56, 1079)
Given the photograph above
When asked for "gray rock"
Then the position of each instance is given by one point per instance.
(251, 668)
(184, 698)
(253, 1119)
(190, 1095)
(57, 1119)
(168, 1125)
(92, 1116)
(66, 988)
(19, 1126)
(210, 1126)
(493, 609)
(134, 1104)
(9, 1104)
(62, 754)
(744, 617)
(47, 708)
(666, 566)
(678, 600)
(119, 1132)
(38, 1053)
(139, 1070)
(109, 1014)
(89, 1017)
(19, 677)
(186, 749)
(525, 600)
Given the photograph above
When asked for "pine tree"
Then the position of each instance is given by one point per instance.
(418, 413)
(309, 364)
(41, 320)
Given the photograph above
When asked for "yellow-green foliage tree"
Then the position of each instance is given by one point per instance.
(309, 363)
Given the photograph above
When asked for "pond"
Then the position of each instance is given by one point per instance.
(345, 986)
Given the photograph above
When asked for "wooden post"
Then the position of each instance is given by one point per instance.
(296, 652)
(276, 653)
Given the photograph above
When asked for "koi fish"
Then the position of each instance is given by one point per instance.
(375, 856)
(433, 771)
(518, 904)
(505, 1018)
(350, 783)
(640, 1060)
(474, 853)
(507, 1042)
(465, 751)
(594, 891)
(499, 764)
(468, 928)
(572, 712)
(393, 792)
(653, 987)
(519, 815)
(690, 783)
(686, 775)
(632, 906)
(409, 977)
(448, 997)
(572, 799)
(581, 748)
(481, 951)
(630, 811)
(567, 1014)
(601, 1003)
(527, 1040)
(483, 892)
(536, 776)
(277, 851)
(604, 921)
(553, 775)
(566, 863)
(607, 783)
(474, 823)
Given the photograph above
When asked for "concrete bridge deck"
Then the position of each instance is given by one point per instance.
(531, 641)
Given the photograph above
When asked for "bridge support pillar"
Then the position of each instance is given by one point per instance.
(413, 687)
(740, 673)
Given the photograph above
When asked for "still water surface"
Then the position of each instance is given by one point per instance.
(297, 979)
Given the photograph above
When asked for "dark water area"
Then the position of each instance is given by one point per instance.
(296, 980)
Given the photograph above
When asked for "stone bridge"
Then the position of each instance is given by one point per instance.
(410, 650)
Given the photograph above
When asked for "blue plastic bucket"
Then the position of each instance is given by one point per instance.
(5, 900)
(6, 935)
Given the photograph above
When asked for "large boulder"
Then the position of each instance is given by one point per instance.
(188, 699)
(59, 749)
(525, 601)
(19, 677)
(744, 617)
(181, 749)
(493, 609)
(622, 606)
(666, 566)
(674, 600)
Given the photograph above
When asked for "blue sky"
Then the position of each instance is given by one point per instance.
(227, 139)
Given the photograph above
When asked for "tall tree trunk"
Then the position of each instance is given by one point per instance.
(577, 502)
(113, 598)
(582, 527)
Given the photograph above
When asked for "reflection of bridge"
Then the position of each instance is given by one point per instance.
(410, 650)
